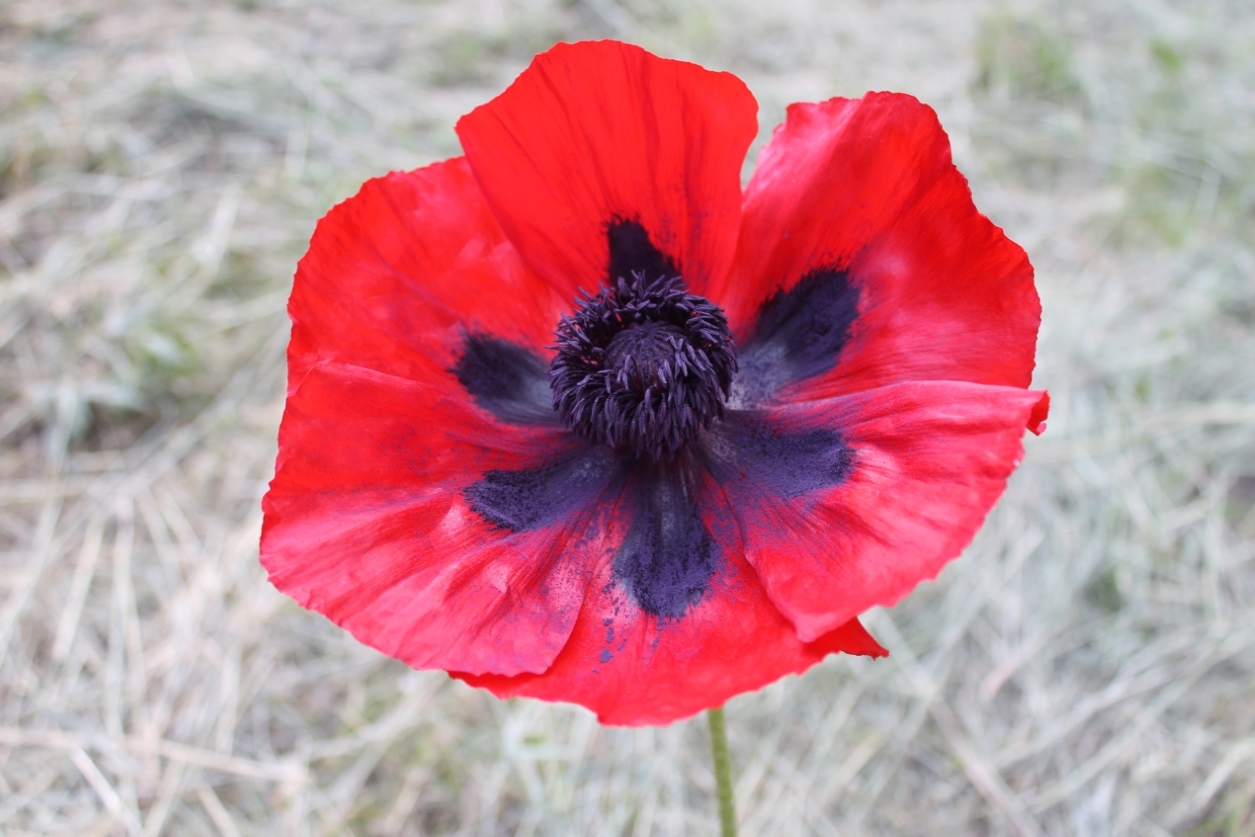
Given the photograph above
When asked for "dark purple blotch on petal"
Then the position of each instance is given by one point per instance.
(668, 557)
(632, 253)
(798, 334)
(530, 498)
(746, 453)
(506, 380)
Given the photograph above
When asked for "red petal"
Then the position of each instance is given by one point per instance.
(397, 274)
(867, 186)
(366, 522)
(1037, 419)
(634, 669)
(930, 461)
(594, 132)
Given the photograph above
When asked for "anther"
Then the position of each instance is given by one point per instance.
(642, 366)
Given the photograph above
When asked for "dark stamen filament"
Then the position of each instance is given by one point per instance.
(642, 366)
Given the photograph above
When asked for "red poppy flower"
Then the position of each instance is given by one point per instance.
(573, 417)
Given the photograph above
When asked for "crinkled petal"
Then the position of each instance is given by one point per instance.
(863, 261)
(664, 635)
(902, 477)
(400, 276)
(600, 153)
(369, 522)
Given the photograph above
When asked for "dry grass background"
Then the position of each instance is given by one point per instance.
(1088, 668)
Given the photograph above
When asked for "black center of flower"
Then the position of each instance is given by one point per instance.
(642, 366)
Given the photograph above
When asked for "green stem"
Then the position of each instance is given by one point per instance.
(723, 772)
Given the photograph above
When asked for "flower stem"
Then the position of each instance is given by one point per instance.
(723, 772)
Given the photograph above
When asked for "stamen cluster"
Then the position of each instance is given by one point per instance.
(642, 366)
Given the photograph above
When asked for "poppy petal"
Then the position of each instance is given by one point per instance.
(857, 220)
(797, 334)
(403, 275)
(602, 159)
(368, 521)
(506, 380)
(529, 498)
(912, 471)
(752, 452)
(668, 557)
(680, 647)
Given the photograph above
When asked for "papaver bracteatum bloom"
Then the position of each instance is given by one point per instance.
(574, 417)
